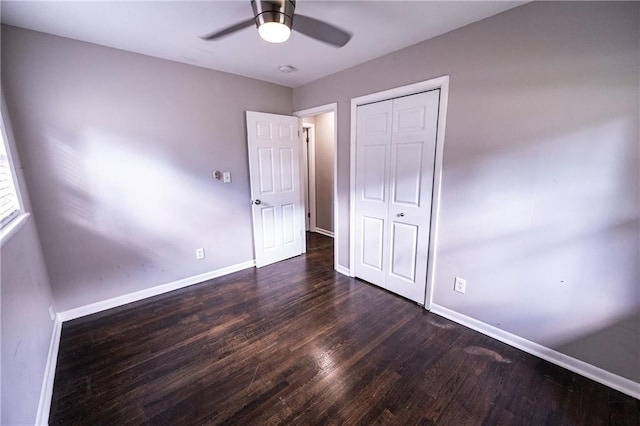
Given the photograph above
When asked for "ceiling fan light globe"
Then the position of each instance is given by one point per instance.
(274, 32)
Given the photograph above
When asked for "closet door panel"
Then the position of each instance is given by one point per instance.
(373, 161)
(413, 148)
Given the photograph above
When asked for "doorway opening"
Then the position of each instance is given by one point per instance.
(318, 136)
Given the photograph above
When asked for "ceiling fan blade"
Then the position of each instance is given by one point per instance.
(229, 30)
(321, 31)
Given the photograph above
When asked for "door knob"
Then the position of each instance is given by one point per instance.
(400, 214)
(257, 202)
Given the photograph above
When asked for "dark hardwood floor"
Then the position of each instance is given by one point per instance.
(298, 343)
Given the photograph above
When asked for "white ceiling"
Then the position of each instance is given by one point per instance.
(171, 30)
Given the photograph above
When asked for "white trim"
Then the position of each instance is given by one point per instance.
(441, 83)
(324, 232)
(311, 175)
(352, 185)
(592, 372)
(333, 107)
(303, 152)
(305, 176)
(437, 187)
(342, 270)
(13, 227)
(150, 292)
(46, 392)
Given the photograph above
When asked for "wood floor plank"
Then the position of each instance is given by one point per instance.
(298, 343)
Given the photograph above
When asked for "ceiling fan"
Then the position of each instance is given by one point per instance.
(275, 20)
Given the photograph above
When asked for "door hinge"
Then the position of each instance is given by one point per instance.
(308, 215)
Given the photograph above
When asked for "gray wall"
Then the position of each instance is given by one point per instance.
(119, 149)
(26, 328)
(324, 131)
(540, 204)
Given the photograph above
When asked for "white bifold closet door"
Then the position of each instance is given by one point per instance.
(395, 154)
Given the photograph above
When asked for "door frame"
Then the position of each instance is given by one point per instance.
(333, 107)
(309, 175)
(441, 83)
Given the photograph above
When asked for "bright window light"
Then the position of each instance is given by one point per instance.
(9, 201)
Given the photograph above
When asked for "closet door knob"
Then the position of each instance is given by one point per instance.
(400, 214)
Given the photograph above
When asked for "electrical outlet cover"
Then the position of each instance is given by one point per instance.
(460, 285)
(200, 253)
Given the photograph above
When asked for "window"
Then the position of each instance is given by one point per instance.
(10, 205)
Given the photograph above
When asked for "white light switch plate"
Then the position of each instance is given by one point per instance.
(226, 177)
(200, 253)
(460, 285)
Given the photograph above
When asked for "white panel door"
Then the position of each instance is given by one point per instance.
(274, 171)
(395, 154)
(373, 147)
(413, 150)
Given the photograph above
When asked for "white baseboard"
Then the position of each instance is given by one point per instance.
(46, 392)
(597, 374)
(344, 271)
(150, 292)
(323, 232)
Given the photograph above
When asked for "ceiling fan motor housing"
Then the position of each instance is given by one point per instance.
(274, 20)
(273, 11)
